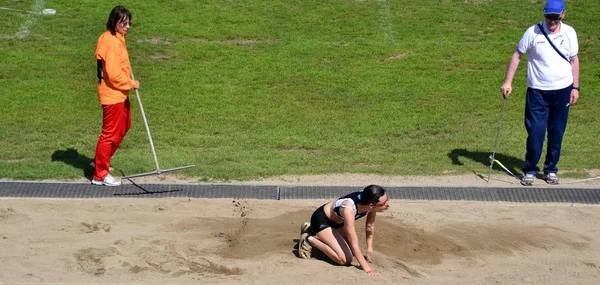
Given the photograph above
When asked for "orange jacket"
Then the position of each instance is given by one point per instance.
(116, 74)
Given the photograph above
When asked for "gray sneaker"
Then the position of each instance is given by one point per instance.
(528, 180)
(304, 228)
(551, 178)
(304, 247)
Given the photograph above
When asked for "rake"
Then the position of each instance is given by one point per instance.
(158, 171)
(493, 156)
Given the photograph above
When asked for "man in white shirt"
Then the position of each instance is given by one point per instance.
(553, 86)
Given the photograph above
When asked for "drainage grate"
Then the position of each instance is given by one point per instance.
(22, 189)
(520, 194)
(86, 190)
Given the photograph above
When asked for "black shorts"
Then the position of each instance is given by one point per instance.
(319, 221)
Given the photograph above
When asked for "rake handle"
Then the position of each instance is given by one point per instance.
(493, 156)
(137, 95)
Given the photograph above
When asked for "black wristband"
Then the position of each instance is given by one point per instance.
(576, 88)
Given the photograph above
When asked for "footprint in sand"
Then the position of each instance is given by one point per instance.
(95, 227)
(386, 262)
(167, 257)
(10, 215)
(91, 260)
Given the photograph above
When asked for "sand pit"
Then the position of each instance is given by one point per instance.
(227, 241)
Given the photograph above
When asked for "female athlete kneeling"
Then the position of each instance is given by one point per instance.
(331, 228)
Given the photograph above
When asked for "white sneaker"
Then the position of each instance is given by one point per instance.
(551, 178)
(93, 165)
(108, 181)
(528, 180)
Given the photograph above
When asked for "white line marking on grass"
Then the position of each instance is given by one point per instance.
(11, 9)
(386, 23)
(37, 8)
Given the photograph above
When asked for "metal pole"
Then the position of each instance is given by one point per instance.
(158, 170)
(137, 94)
(493, 157)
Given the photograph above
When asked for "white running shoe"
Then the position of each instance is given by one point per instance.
(528, 180)
(551, 178)
(93, 165)
(109, 180)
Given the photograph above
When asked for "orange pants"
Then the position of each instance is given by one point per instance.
(116, 121)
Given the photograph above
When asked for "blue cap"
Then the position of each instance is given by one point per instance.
(554, 7)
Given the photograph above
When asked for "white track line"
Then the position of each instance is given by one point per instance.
(24, 30)
(386, 23)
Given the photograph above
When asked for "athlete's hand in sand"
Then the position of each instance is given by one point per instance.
(372, 273)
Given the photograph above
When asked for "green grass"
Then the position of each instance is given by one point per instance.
(246, 89)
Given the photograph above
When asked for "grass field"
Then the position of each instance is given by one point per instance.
(246, 89)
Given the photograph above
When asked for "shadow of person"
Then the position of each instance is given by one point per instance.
(74, 158)
(510, 162)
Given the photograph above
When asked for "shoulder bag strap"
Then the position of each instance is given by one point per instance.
(552, 44)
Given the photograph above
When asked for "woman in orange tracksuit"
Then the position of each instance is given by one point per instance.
(114, 84)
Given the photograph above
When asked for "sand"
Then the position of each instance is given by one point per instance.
(246, 241)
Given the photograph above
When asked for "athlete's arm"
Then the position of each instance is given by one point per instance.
(351, 237)
(369, 233)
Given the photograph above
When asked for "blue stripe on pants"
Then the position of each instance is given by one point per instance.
(545, 110)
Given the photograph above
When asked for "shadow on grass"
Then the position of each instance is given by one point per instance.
(74, 158)
(512, 163)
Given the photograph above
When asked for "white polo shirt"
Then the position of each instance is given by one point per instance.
(546, 69)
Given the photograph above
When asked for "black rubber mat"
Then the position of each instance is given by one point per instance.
(519, 194)
(85, 190)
